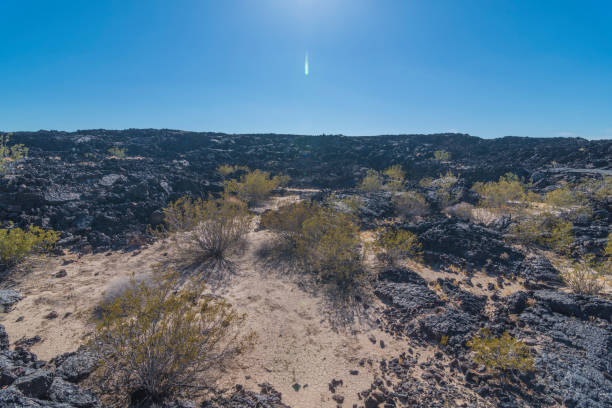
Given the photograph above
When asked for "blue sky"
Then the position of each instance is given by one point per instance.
(489, 68)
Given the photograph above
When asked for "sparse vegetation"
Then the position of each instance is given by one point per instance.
(372, 182)
(156, 342)
(397, 244)
(16, 244)
(442, 186)
(545, 230)
(395, 178)
(410, 204)
(501, 354)
(583, 278)
(118, 152)
(442, 155)
(207, 229)
(10, 153)
(507, 195)
(255, 186)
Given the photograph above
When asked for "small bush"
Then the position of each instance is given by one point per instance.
(118, 152)
(565, 197)
(16, 244)
(397, 244)
(156, 343)
(410, 204)
(10, 153)
(207, 229)
(501, 354)
(442, 186)
(395, 178)
(254, 186)
(463, 211)
(442, 155)
(287, 221)
(582, 279)
(545, 230)
(507, 194)
(329, 244)
(225, 170)
(372, 182)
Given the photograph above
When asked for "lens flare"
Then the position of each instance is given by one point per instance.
(306, 65)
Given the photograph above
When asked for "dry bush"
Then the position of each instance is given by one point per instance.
(156, 342)
(397, 244)
(410, 204)
(501, 354)
(287, 221)
(582, 279)
(442, 187)
(16, 244)
(207, 229)
(463, 211)
(255, 186)
(117, 152)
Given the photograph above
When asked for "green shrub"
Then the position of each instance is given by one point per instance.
(118, 152)
(287, 221)
(207, 229)
(507, 194)
(16, 244)
(565, 197)
(397, 244)
(10, 153)
(501, 354)
(545, 230)
(255, 186)
(442, 186)
(158, 342)
(395, 177)
(442, 155)
(410, 204)
(329, 244)
(372, 182)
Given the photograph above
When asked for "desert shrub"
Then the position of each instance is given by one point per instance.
(225, 170)
(507, 194)
(372, 182)
(10, 153)
(597, 188)
(287, 221)
(462, 211)
(501, 354)
(442, 186)
(565, 197)
(395, 177)
(410, 204)
(397, 244)
(582, 279)
(207, 229)
(545, 230)
(442, 155)
(16, 244)
(155, 342)
(329, 244)
(118, 152)
(254, 186)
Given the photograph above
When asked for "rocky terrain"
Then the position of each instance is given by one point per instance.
(414, 352)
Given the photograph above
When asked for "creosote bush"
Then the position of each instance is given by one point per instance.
(442, 186)
(501, 354)
(207, 229)
(395, 178)
(506, 195)
(391, 179)
(324, 240)
(118, 152)
(372, 182)
(410, 204)
(255, 186)
(397, 244)
(16, 244)
(442, 155)
(157, 342)
(544, 230)
(10, 153)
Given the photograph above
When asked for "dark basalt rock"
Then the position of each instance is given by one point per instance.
(401, 275)
(451, 323)
(268, 397)
(8, 298)
(36, 384)
(77, 366)
(4, 339)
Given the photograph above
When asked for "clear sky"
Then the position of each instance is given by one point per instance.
(489, 68)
